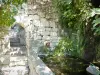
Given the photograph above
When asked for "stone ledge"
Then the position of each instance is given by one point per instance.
(39, 65)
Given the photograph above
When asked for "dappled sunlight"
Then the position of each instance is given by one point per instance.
(49, 37)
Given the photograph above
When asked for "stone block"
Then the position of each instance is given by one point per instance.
(32, 12)
(52, 24)
(46, 33)
(54, 29)
(54, 38)
(45, 0)
(44, 22)
(41, 33)
(41, 14)
(29, 6)
(53, 34)
(29, 2)
(48, 17)
(36, 22)
(41, 29)
(36, 17)
(39, 37)
(46, 38)
(48, 29)
(30, 16)
(35, 7)
(42, 25)
(5, 59)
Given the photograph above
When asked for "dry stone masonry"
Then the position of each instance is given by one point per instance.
(40, 22)
(40, 26)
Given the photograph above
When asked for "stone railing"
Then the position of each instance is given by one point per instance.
(36, 63)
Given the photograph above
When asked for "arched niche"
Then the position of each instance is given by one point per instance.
(17, 35)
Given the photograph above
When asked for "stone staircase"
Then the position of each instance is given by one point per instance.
(14, 59)
(14, 62)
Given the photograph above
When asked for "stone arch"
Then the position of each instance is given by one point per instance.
(17, 35)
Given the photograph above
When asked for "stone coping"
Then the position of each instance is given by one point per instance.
(39, 66)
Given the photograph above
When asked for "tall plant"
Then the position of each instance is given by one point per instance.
(73, 15)
(80, 19)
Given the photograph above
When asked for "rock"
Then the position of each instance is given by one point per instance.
(93, 70)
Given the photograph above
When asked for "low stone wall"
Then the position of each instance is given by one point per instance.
(35, 63)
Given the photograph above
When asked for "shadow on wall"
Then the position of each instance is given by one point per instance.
(17, 35)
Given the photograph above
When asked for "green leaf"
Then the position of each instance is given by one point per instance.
(96, 22)
(68, 1)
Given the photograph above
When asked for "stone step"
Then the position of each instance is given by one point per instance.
(4, 60)
(18, 53)
(21, 63)
(21, 48)
(18, 58)
(14, 61)
(17, 70)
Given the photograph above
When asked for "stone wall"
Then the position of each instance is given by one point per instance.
(40, 22)
(4, 51)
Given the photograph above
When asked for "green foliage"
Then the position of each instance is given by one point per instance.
(96, 22)
(68, 46)
(96, 26)
(84, 22)
(7, 10)
(6, 16)
(44, 50)
(72, 15)
(13, 2)
(3, 31)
